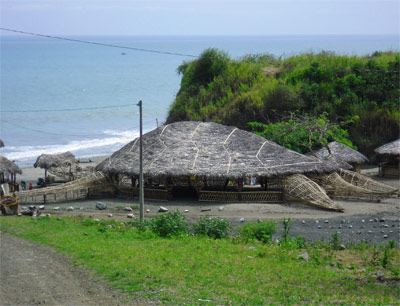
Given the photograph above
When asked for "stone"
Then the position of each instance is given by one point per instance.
(96, 219)
(385, 236)
(162, 209)
(382, 220)
(339, 226)
(110, 215)
(363, 221)
(326, 221)
(319, 226)
(342, 247)
(56, 208)
(359, 232)
(41, 207)
(385, 225)
(376, 220)
(350, 226)
(304, 256)
(130, 216)
(85, 234)
(81, 208)
(252, 248)
(304, 222)
(221, 208)
(241, 220)
(316, 221)
(70, 208)
(147, 210)
(369, 232)
(370, 220)
(128, 208)
(343, 221)
(48, 215)
(101, 205)
(19, 215)
(186, 210)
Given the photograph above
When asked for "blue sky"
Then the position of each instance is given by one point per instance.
(202, 17)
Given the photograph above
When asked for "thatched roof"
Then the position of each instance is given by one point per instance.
(1, 143)
(7, 166)
(46, 161)
(391, 148)
(211, 150)
(340, 154)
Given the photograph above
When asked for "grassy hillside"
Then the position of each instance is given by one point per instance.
(360, 92)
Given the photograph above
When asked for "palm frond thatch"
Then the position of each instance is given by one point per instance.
(46, 161)
(7, 166)
(341, 154)
(391, 148)
(211, 150)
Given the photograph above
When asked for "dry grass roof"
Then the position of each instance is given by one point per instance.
(391, 148)
(211, 150)
(341, 154)
(7, 166)
(46, 161)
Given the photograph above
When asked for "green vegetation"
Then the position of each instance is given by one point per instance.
(261, 231)
(193, 270)
(303, 134)
(359, 93)
(212, 228)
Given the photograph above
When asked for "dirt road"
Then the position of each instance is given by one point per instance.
(31, 274)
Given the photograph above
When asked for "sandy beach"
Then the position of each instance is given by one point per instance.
(361, 220)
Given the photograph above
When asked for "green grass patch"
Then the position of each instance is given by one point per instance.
(188, 270)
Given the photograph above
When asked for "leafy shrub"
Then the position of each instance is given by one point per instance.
(261, 231)
(302, 134)
(213, 228)
(170, 224)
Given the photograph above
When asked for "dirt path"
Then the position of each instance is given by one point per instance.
(31, 274)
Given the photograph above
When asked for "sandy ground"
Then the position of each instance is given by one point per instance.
(32, 274)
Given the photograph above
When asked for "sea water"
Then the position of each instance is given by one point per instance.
(42, 79)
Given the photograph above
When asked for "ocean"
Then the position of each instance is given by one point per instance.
(42, 79)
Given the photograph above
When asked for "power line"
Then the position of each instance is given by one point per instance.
(65, 109)
(98, 43)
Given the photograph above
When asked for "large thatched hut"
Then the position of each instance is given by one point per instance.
(8, 172)
(389, 154)
(208, 156)
(58, 164)
(342, 155)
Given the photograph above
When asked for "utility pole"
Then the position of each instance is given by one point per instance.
(141, 189)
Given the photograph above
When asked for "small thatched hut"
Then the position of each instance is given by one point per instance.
(8, 172)
(61, 162)
(389, 154)
(342, 155)
(206, 156)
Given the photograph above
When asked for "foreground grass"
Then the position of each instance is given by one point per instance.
(194, 271)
